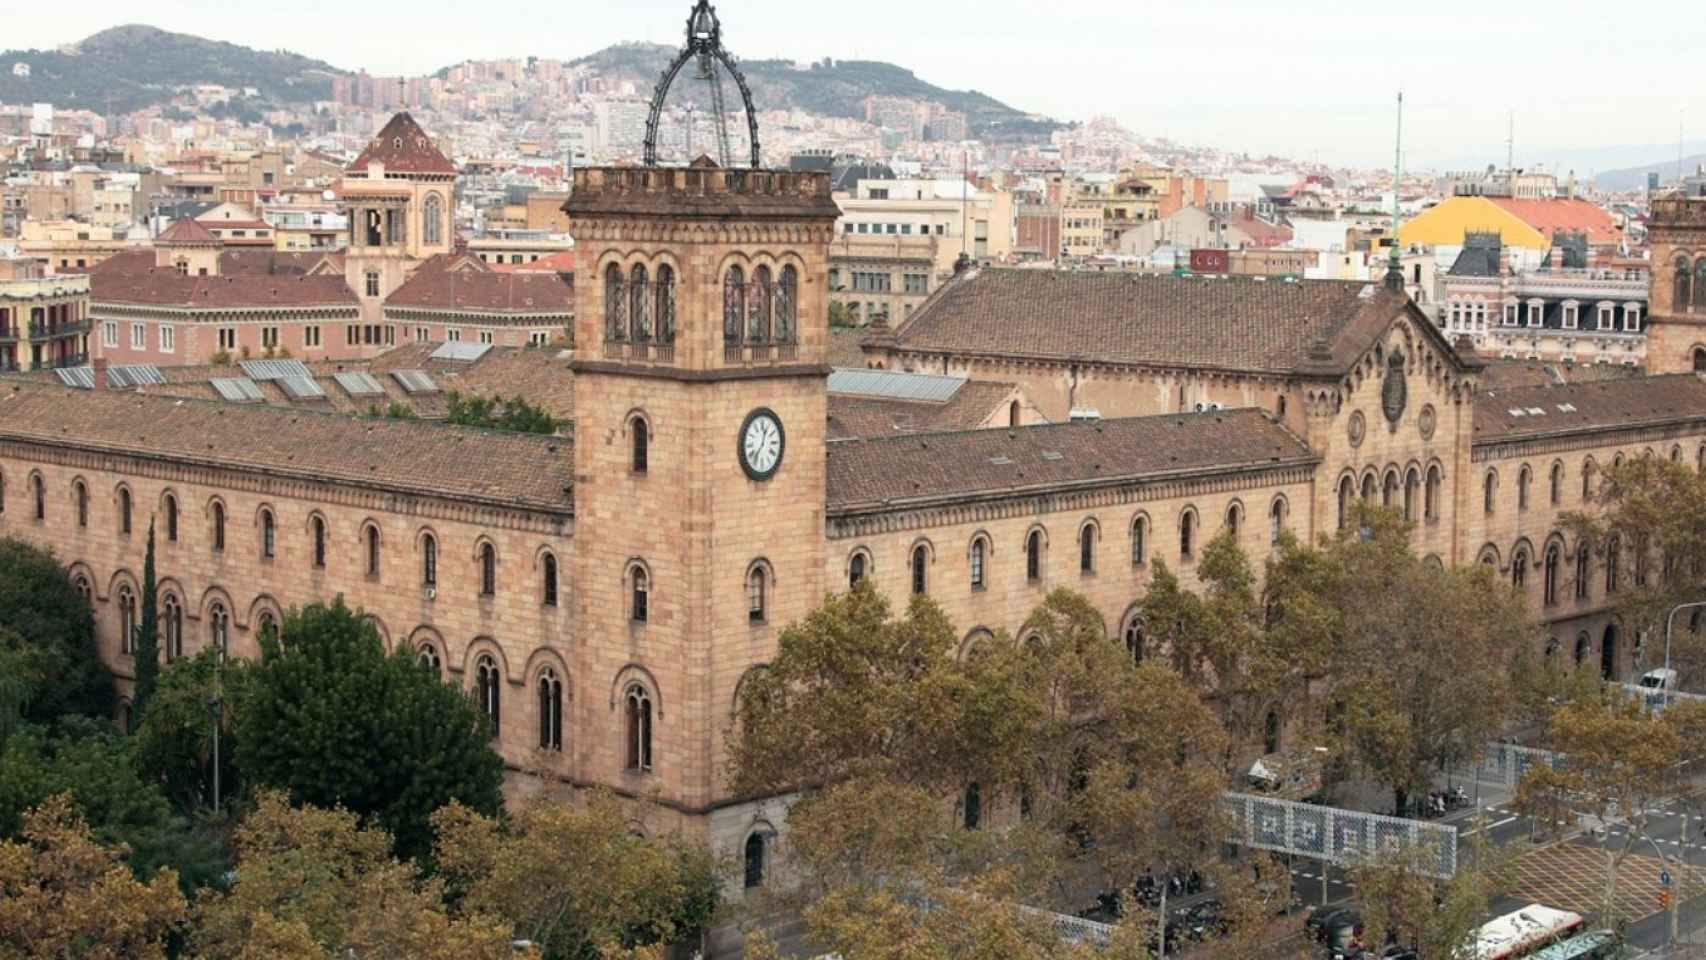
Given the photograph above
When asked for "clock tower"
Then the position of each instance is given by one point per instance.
(701, 325)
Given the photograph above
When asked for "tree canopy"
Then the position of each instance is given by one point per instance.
(47, 635)
(515, 414)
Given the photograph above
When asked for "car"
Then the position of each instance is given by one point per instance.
(1318, 921)
(1204, 919)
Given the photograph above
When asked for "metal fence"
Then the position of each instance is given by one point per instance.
(1339, 836)
(1504, 764)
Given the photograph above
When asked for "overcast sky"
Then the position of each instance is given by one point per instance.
(1303, 78)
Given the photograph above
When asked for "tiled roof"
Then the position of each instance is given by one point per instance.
(1567, 215)
(271, 262)
(561, 262)
(166, 287)
(1582, 407)
(409, 456)
(1501, 374)
(1230, 323)
(874, 474)
(844, 348)
(124, 262)
(189, 232)
(972, 405)
(403, 147)
(485, 292)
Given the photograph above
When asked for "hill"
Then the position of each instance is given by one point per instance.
(1634, 178)
(835, 88)
(134, 66)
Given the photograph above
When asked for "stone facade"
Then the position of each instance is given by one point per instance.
(1676, 335)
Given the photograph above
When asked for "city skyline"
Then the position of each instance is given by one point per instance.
(1282, 81)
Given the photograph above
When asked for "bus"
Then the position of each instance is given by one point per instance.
(1525, 932)
(1593, 945)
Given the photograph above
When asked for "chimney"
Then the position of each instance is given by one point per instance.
(100, 368)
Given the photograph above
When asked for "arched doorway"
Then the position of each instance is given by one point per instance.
(1608, 653)
(754, 860)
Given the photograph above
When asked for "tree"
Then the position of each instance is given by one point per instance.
(45, 620)
(313, 884)
(1619, 762)
(173, 746)
(573, 879)
(372, 732)
(496, 413)
(147, 647)
(64, 895)
(1400, 901)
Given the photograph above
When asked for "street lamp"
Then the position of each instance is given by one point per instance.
(1670, 621)
(216, 712)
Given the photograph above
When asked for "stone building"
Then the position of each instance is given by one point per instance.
(602, 596)
(44, 320)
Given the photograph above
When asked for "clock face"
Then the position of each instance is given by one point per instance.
(761, 443)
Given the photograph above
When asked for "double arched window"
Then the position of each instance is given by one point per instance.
(218, 626)
(126, 619)
(486, 687)
(1549, 575)
(172, 618)
(1519, 569)
(550, 710)
(429, 658)
(1133, 635)
(1582, 562)
(639, 728)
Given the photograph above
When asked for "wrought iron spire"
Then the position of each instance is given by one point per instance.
(704, 45)
(1394, 266)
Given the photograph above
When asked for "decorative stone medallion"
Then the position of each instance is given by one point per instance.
(1357, 428)
(1425, 421)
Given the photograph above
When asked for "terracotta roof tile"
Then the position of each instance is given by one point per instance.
(485, 292)
(1527, 412)
(973, 404)
(166, 287)
(844, 348)
(187, 232)
(876, 474)
(275, 262)
(409, 456)
(403, 147)
(1231, 323)
(1567, 215)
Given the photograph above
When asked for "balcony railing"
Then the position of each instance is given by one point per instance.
(49, 331)
(9, 334)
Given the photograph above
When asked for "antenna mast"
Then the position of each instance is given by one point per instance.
(1394, 268)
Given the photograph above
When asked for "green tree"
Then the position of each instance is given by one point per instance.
(314, 884)
(173, 745)
(573, 879)
(49, 625)
(495, 413)
(147, 647)
(63, 894)
(1436, 918)
(374, 733)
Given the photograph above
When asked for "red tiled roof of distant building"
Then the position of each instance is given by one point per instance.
(187, 232)
(125, 262)
(485, 292)
(403, 147)
(1563, 215)
(166, 287)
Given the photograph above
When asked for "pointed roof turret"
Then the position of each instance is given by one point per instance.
(186, 232)
(403, 147)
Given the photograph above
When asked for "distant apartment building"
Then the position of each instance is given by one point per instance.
(1564, 311)
(956, 214)
(1493, 182)
(66, 246)
(887, 276)
(44, 320)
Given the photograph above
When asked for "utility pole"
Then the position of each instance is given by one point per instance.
(1510, 148)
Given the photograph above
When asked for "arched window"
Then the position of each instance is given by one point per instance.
(1489, 486)
(372, 535)
(1681, 293)
(126, 620)
(1276, 520)
(1522, 478)
(1034, 556)
(639, 304)
(1389, 489)
(548, 579)
(432, 220)
(267, 626)
(429, 560)
(1087, 548)
(269, 535)
(734, 307)
(1234, 520)
(218, 526)
(615, 304)
(788, 306)
(550, 710)
(319, 537)
(1549, 576)
(1139, 530)
(758, 307)
(754, 861)
(1347, 490)
(1430, 496)
(1700, 359)
(1271, 732)
(1134, 639)
(756, 600)
(639, 728)
(1700, 282)
(488, 570)
(81, 583)
(1582, 561)
(1187, 534)
(486, 680)
(80, 493)
(1587, 478)
(39, 486)
(1013, 415)
(663, 310)
(172, 616)
(920, 569)
(855, 569)
(1675, 454)
(1582, 646)
(977, 560)
(1613, 561)
(1412, 486)
(1519, 569)
(641, 598)
(218, 626)
(642, 441)
(171, 517)
(1555, 487)
(972, 807)
(1369, 488)
(429, 658)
